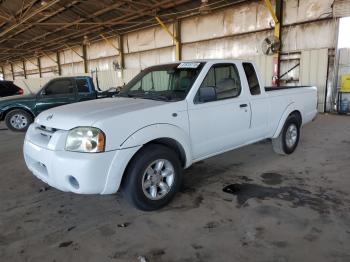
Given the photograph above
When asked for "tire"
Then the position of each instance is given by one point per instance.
(155, 188)
(288, 139)
(18, 120)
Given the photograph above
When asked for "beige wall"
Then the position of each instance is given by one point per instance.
(234, 32)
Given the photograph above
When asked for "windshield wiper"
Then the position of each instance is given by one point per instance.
(147, 95)
(156, 97)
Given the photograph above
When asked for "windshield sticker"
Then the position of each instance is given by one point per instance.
(188, 65)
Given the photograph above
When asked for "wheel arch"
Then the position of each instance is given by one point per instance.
(24, 108)
(167, 135)
(292, 109)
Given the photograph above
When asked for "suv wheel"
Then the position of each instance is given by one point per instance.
(18, 120)
(153, 177)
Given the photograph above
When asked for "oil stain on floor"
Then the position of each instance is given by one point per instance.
(297, 196)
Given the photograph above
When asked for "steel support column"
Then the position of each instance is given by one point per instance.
(277, 16)
(39, 66)
(178, 45)
(12, 72)
(85, 59)
(58, 61)
(121, 51)
(24, 69)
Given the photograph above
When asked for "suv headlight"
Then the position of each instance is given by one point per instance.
(85, 139)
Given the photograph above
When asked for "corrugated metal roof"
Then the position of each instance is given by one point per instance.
(29, 27)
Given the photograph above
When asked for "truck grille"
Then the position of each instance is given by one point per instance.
(41, 135)
(46, 131)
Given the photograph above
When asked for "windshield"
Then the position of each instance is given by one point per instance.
(170, 82)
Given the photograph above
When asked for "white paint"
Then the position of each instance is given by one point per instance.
(202, 130)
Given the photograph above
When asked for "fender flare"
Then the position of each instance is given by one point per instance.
(9, 108)
(158, 131)
(290, 108)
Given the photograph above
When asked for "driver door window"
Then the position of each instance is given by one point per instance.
(60, 87)
(225, 79)
(57, 93)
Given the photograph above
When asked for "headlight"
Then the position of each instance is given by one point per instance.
(85, 139)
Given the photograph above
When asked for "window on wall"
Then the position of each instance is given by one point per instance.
(225, 79)
(343, 34)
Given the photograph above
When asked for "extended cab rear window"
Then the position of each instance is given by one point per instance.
(83, 85)
(60, 87)
(252, 78)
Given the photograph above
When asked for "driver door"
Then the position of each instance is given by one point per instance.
(222, 124)
(57, 92)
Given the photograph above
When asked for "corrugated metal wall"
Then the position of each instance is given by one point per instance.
(343, 68)
(341, 8)
(313, 68)
(235, 32)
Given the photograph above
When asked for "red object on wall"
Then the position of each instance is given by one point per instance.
(275, 80)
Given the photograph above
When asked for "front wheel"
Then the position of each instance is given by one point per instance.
(288, 139)
(18, 120)
(153, 177)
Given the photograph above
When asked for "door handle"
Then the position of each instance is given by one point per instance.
(243, 105)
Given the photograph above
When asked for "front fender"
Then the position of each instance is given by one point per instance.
(17, 106)
(157, 131)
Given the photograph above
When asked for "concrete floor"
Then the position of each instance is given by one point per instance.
(294, 208)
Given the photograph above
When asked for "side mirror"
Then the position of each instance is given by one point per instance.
(43, 93)
(207, 94)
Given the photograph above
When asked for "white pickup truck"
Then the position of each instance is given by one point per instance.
(167, 118)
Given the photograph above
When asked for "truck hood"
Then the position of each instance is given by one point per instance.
(4, 101)
(93, 112)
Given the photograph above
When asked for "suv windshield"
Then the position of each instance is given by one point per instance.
(170, 82)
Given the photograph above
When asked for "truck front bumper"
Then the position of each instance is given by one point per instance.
(82, 173)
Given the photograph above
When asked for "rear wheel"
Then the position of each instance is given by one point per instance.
(18, 120)
(288, 139)
(153, 177)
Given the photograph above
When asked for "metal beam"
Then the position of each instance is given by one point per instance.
(178, 44)
(278, 35)
(39, 66)
(277, 18)
(95, 14)
(29, 25)
(58, 59)
(30, 61)
(12, 72)
(175, 39)
(32, 14)
(24, 69)
(55, 43)
(85, 59)
(71, 48)
(53, 60)
(91, 29)
(109, 42)
(121, 51)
